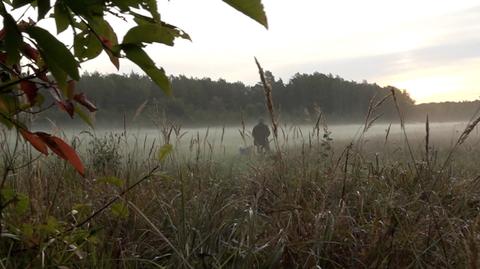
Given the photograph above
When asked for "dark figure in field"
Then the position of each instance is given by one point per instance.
(260, 135)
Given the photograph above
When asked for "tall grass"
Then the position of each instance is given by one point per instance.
(361, 203)
(203, 208)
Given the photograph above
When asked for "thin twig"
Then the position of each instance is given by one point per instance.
(113, 200)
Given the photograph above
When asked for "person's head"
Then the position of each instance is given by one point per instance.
(261, 120)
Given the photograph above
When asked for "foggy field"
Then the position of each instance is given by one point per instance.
(228, 140)
(322, 201)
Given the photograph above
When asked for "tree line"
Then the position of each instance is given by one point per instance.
(196, 101)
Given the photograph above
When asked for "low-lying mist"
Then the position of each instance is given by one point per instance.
(231, 139)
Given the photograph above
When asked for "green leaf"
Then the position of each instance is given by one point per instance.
(57, 72)
(151, 6)
(164, 151)
(84, 116)
(109, 39)
(105, 30)
(55, 54)
(111, 181)
(13, 39)
(89, 9)
(52, 226)
(86, 46)
(6, 120)
(177, 32)
(43, 8)
(19, 201)
(124, 5)
(27, 230)
(251, 8)
(140, 58)
(120, 210)
(82, 209)
(20, 3)
(141, 19)
(7, 194)
(62, 17)
(173, 30)
(149, 33)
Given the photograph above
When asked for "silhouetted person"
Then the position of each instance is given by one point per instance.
(260, 134)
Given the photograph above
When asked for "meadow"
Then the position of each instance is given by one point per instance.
(325, 197)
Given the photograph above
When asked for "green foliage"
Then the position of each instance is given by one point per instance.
(252, 8)
(84, 116)
(120, 210)
(105, 153)
(137, 55)
(86, 46)
(10, 199)
(149, 33)
(62, 17)
(164, 151)
(51, 50)
(13, 39)
(111, 181)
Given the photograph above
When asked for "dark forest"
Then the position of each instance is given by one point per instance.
(200, 101)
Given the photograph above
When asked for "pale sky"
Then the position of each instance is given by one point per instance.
(431, 48)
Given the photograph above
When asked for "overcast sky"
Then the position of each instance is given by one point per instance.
(431, 48)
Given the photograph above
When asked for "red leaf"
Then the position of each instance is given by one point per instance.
(35, 141)
(16, 67)
(23, 25)
(114, 59)
(42, 75)
(63, 150)
(82, 99)
(30, 52)
(30, 90)
(47, 139)
(2, 34)
(106, 42)
(67, 106)
(70, 89)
